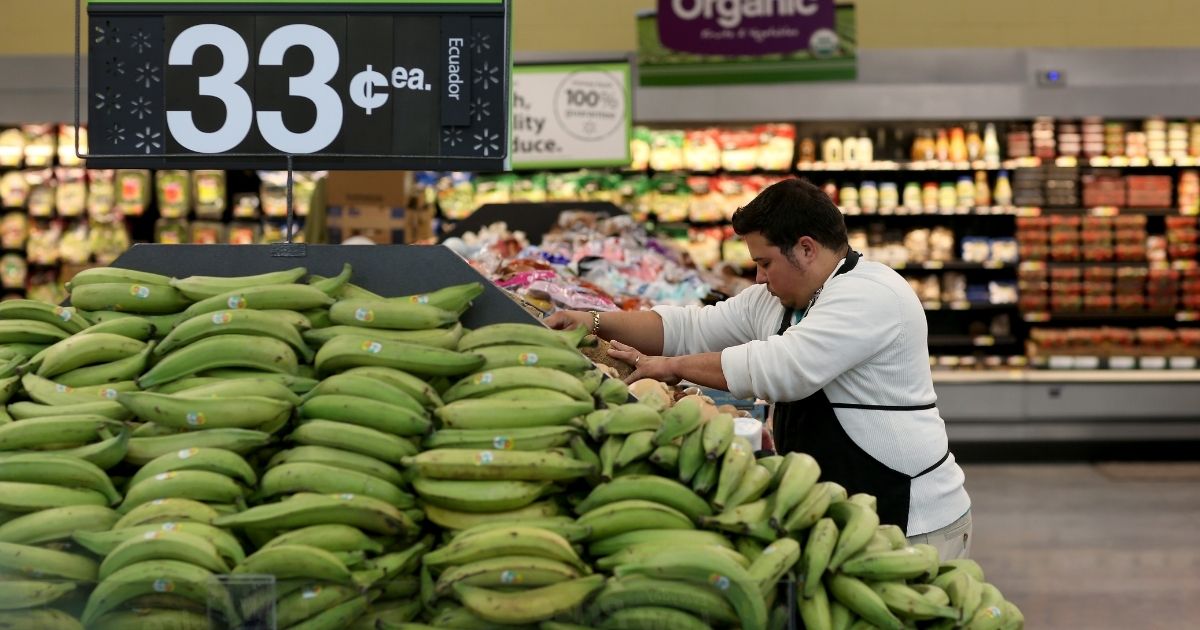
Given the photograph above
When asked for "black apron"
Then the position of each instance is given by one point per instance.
(812, 427)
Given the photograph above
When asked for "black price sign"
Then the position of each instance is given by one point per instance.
(350, 84)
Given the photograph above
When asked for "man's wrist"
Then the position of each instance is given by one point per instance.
(593, 323)
(673, 367)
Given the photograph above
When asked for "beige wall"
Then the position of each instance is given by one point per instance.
(36, 27)
(43, 27)
(1027, 23)
(607, 25)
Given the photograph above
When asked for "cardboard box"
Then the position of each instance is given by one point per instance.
(384, 225)
(68, 270)
(368, 188)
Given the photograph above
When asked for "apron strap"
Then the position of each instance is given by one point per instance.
(852, 258)
(787, 320)
(924, 407)
(933, 467)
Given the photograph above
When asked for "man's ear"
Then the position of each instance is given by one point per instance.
(806, 248)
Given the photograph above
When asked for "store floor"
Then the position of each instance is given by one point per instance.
(1079, 546)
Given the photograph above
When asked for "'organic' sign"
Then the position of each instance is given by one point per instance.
(746, 27)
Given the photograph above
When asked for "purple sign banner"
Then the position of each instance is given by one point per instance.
(745, 27)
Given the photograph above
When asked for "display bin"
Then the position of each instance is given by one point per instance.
(389, 270)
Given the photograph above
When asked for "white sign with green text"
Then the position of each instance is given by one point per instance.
(571, 115)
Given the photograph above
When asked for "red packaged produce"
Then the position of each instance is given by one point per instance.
(1098, 302)
(1131, 252)
(1130, 236)
(1162, 275)
(1183, 251)
(1132, 272)
(1130, 302)
(1033, 286)
(1124, 221)
(1065, 253)
(1099, 273)
(1034, 252)
(1098, 253)
(1098, 288)
(1119, 336)
(1060, 274)
(1063, 233)
(1085, 337)
(1097, 223)
(1155, 337)
(1183, 236)
(1189, 337)
(1178, 222)
(1049, 338)
(1034, 302)
(1066, 220)
(1067, 288)
(1162, 305)
(1067, 303)
(1032, 273)
(1092, 237)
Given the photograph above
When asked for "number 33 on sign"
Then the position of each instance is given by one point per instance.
(361, 84)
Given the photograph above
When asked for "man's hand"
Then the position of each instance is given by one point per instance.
(563, 320)
(657, 368)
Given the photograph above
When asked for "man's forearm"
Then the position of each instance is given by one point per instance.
(701, 369)
(641, 329)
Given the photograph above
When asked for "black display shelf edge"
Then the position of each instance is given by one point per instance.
(389, 270)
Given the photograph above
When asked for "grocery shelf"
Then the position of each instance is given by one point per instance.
(1043, 264)
(1151, 364)
(1018, 211)
(959, 211)
(1085, 316)
(955, 265)
(1065, 376)
(888, 165)
(977, 341)
(963, 305)
(1095, 211)
(883, 166)
(991, 413)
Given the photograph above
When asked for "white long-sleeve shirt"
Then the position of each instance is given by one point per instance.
(864, 342)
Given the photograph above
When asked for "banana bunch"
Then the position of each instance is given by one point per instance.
(502, 447)
(46, 498)
(506, 572)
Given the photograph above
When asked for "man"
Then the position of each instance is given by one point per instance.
(838, 343)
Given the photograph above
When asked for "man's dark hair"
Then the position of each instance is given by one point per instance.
(790, 209)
